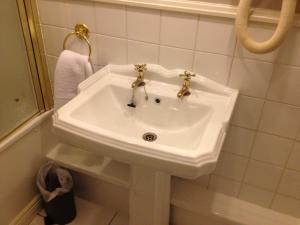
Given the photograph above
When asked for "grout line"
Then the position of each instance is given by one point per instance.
(252, 145)
(126, 32)
(261, 161)
(269, 100)
(146, 42)
(244, 183)
(282, 174)
(94, 54)
(209, 180)
(159, 36)
(224, 177)
(248, 162)
(195, 44)
(231, 64)
(265, 132)
(120, 37)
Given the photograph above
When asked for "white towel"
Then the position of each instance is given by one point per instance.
(71, 69)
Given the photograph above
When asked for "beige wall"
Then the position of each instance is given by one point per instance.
(19, 164)
(260, 160)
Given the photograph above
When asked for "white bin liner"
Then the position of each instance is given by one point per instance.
(64, 177)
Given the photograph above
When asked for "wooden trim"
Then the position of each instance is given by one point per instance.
(29, 212)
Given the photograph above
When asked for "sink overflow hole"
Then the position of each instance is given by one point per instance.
(149, 137)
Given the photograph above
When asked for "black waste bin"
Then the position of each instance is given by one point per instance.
(56, 187)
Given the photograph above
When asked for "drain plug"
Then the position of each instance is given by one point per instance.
(150, 137)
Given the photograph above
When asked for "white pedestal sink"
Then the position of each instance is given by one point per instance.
(190, 131)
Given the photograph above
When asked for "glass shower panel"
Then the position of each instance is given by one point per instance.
(17, 95)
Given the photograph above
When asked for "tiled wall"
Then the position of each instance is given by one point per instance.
(260, 161)
(269, 4)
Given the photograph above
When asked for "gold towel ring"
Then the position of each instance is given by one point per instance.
(82, 32)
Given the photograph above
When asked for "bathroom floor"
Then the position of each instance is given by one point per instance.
(89, 213)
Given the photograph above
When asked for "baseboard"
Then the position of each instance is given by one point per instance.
(29, 212)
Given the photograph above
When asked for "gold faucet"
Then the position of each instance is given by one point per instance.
(185, 90)
(139, 82)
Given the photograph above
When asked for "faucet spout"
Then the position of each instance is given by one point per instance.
(183, 92)
(139, 82)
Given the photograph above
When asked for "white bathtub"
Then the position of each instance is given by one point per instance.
(193, 205)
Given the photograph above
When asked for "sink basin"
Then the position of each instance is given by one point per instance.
(182, 137)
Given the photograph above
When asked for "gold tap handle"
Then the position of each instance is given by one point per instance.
(140, 67)
(187, 75)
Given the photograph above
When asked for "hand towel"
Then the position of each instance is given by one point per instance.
(71, 69)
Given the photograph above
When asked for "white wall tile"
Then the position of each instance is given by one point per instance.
(263, 175)
(290, 50)
(141, 52)
(111, 50)
(52, 12)
(290, 184)
(271, 149)
(111, 19)
(176, 58)
(178, 29)
(53, 39)
(239, 141)
(213, 66)
(143, 24)
(285, 85)
(259, 32)
(224, 185)
(81, 12)
(286, 205)
(294, 160)
(256, 195)
(251, 77)
(231, 166)
(247, 112)
(216, 35)
(280, 119)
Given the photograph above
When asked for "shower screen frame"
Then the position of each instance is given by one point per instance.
(32, 35)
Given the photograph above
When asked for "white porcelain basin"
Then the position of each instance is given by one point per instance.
(190, 131)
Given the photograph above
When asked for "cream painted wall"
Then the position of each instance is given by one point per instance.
(19, 164)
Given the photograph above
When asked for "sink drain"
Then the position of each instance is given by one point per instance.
(149, 137)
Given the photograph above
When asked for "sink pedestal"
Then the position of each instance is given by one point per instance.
(149, 197)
